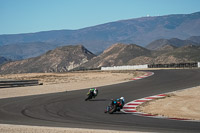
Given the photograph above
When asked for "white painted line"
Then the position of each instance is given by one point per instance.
(144, 99)
(130, 105)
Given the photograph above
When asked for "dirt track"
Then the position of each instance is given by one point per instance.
(56, 82)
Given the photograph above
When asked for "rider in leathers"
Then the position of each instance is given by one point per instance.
(94, 92)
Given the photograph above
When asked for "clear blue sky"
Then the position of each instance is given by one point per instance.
(25, 16)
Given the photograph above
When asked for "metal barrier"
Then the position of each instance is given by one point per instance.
(174, 65)
(18, 83)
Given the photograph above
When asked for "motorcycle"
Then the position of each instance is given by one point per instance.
(90, 96)
(114, 107)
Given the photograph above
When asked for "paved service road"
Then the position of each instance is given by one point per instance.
(68, 109)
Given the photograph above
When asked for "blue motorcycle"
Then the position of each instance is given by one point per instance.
(114, 107)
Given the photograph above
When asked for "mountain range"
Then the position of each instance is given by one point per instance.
(19, 51)
(140, 31)
(77, 57)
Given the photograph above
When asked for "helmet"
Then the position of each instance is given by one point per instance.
(122, 98)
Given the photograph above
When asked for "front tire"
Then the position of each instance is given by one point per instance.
(89, 97)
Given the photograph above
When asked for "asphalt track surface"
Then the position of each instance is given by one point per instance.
(68, 109)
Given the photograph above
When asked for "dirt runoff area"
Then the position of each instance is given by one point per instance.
(182, 104)
(60, 82)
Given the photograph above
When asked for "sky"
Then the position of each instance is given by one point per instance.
(29, 16)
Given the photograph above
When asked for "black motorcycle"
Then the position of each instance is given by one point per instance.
(114, 107)
(90, 95)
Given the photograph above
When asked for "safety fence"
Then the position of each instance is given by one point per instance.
(172, 65)
(18, 83)
(175, 65)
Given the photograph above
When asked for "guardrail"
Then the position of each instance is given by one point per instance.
(18, 83)
(172, 65)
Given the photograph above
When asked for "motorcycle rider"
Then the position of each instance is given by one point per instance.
(121, 100)
(94, 92)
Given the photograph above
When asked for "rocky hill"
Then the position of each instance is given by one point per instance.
(121, 54)
(175, 42)
(139, 31)
(189, 53)
(166, 48)
(58, 60)
(118, 54)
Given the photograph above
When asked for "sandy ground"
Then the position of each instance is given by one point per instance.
(35, 129)
(180, 104)
(57, 82)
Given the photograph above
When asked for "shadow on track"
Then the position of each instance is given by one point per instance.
(118, 113)
(99, 100)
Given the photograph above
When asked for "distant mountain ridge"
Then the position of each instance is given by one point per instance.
(194, 39)
(21, 51)
(139, 31)
(158, 44)
(3, 60)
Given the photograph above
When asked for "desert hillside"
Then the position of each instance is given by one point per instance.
(122, 54)
(61, 59)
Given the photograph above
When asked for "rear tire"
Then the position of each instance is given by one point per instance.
(89, 97)
(105, 111)
(112, 109)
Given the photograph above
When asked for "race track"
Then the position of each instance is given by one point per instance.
(68, 109)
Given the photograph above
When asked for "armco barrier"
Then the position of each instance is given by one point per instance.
(18, 83)
(172, 65)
